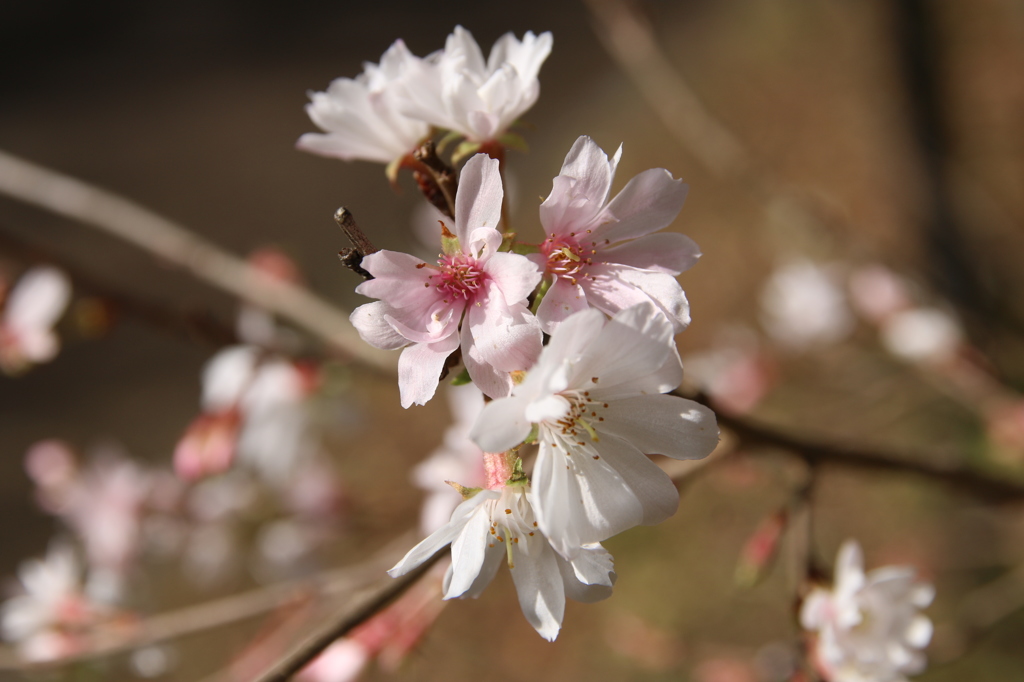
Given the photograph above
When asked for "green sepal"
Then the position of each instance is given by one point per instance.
(462, 379)
(545, 284)
(517, 477)
(465, 148)
(463, 490)
(449, 137)
(525, 249)
(514, 141)
(532, 436)
(449, 242)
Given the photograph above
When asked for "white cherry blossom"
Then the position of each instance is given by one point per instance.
(868, 626)
(594, 396)
(602, 254)
(361, 115)
(498, 525)
(803, 304)
(457, 90)
(32, 308)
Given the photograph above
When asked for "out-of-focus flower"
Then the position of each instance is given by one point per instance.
(457, 90)
(254, 407)
(457, 459)
(802, 304)
(922, 335)
(595, 398)
(868, 625)
(495, 525)
(423, 304)
(735, 373)
(877, 293)
(362, 117)
(601, 253)
(49, 620)
(26, 326)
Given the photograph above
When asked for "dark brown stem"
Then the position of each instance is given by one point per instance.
(815, 452)
(344, 623)
(352, 258)
(438, 180)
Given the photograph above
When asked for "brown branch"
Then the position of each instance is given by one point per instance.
(438, 180)
(370, 603)
(352, 258)
(165, 239)
(820, 452)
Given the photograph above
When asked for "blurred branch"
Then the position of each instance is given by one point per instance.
(229, 610)
(173, 243)
(194, 324)
(631, 43)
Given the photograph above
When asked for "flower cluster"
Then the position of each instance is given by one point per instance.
(599, 287)
(868, 625)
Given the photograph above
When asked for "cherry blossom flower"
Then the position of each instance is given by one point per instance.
(473, 283)
(26, 327)
(254, 406)
(361, 116)
(802, 304)
(499, 524)
(594, 398)
(600, 253)
(457, 90)
(868, 625)
(48, 620)
(926, 335)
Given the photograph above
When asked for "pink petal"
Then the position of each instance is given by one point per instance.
(613, 288)
(478, 199)
(649, 202)
(419, 369)
(516, 276)
(399, 279)
(562, 300)
(667, 252)
(506, 337)
(369, 320)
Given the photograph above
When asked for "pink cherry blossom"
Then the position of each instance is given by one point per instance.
(600, 253)
(475, 296)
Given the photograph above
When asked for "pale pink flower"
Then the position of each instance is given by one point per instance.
(877, 292)
(868, 625)
(32, 308)
(927, 335)
(457, 90)
(594, 397)
(362, 118)
(802, 304)
(474, 284)
(458, 458)
(47, 620)
(602, 253)
(496, 526)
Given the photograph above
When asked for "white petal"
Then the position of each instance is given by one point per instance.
(594, 566)
(501, 425)
(662, 425)
(648, 202)
(648, 485)
(468, 552)
(540, 589)
(369, 321)
(38, 299)
(442, 536)
(419, 369)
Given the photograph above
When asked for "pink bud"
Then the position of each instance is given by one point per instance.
(208, 446)
(759, 551)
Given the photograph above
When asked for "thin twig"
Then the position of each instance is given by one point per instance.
(352, 258)
(631, 43)
(175, 244)
(437, 174)
(370, 603)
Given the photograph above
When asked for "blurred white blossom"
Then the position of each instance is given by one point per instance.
(802, 304)
(31, 310)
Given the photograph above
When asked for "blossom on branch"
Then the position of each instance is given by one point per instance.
(457, 90)
(602, 254)
(422, 305)
(361, 116)
(32, 308)
(496, 525)
(868, 625)
(594, 398)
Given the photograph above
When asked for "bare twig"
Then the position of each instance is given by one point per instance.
(175, 244)
(437, 180)
(631, 43)
(361, 246)
(366, 605)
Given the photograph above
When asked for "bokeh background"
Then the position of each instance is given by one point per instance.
(896, 126)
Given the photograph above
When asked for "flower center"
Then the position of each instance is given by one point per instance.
(458, 276)
(582, 414)
(511, 519)
(566, 257)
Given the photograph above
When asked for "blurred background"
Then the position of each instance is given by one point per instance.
(875, 137)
